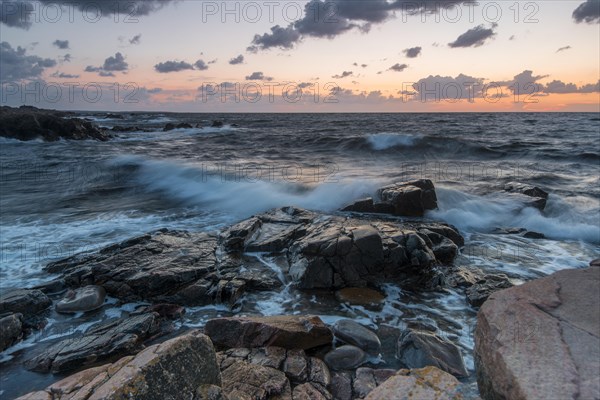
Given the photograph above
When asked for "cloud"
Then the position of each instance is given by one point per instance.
(449, 88)
(17, 13)
(16, 65)
(213, 61)
(398, 67)
(66, 58)
(154, 90)
(105, 73)
(136, 39)
(61, 44)
(413, 52)
(201, 65)
(587, 12)
(172, 66)
(561, 87)
(563, 49)
(237, 60)
(474, 37)
(116, 63)
(62, 75)
(342, 75)
(512, 37)
(258, 76)
(524, 83)
(361, 65)
(330, 18)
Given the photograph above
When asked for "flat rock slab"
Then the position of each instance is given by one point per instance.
(289, 332)
(541, 340)
(179, 368)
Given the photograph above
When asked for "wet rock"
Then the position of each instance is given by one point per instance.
(424, 383)
(11, 330)
(87, 298)
(247, 381)
(341, 385)
(478, 293)
(362, 206)
(541, 340)
(410, 199)
(345, 358)
(290, 332)
(166, 267)
(464, 277)
(418, 349)
(55, 286)
(359, 296)
(167, 311)
(170, 126)
(388, 336)
(540, 196)
(444, 249)
(354, 333)
(595, 263)
(534, 235)
(156, 373)
(100, 342)
(31, 303)
(217, 124)
(29, 123)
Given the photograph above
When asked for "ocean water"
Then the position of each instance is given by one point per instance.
(62, 198)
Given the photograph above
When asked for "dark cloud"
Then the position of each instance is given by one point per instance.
(587, 12)
(154, 90)
(16, 13)
(66, 58)
(106, 73)
(361, 65)
(449, 88)
(561, 87)
(398, 67)
(330, 18)
(342, 75)
(62, 75)
(213, 61)
(413, 52)
(61, 44)
(258, 76)
(524, 83)
(172, 66)
(474, 37)
(200, 65)
(16, 65)
(563, 49)
(116, 63)
(237, 60)
(136, 39)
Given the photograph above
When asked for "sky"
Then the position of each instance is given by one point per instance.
(301, 56)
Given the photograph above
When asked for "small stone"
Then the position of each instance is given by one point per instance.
(81, 300)
(354, 333)
(345, 357)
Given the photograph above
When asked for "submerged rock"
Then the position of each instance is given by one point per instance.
(359, 296)
(179, 368)
(289, 332)
(87, 298)
(541, 340)
(354, 333)
(418, 349)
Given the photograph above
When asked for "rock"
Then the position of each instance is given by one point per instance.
(540, 196)
(11, 330)
(170, 126)
(159, 372)
(29, 123)
(444, 249)
(359, 296)
(318, 372)
(217, 124)
(308, 391)
(418, 349)
(268, 356)
(167, 311)
(243, 380)
(345, 358)
(100, 342)
(464, 277)
(354, 333)
(87, 298)
(364, 382)
(167, 267)
(410, 199)
(118, 128)
(289, 332)
(114, 116)
(55, 286)
(424, 383)
(361, 206)
(209, 392)
(534, 235)
(341, 385)
(31, 303)
(595, 263)
(478, 293)
(541, 340)
(295, 366)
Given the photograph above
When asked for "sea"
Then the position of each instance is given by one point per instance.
(66, 197)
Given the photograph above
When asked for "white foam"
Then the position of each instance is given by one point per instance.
(383, 141)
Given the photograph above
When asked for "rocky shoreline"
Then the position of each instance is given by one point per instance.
(351, 253)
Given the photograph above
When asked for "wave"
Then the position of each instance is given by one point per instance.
(384, 141)
(561, 219)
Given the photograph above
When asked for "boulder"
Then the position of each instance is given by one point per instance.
(424, 383)
(84, 299)
(410, 199)
(361, 206)
(181, 368)
(100, 342)
(29, 123)
(478, 293)
(289, 332)
(345, 357)
(541, 340)
(418, 349)
(11, 330)
(354, 333)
